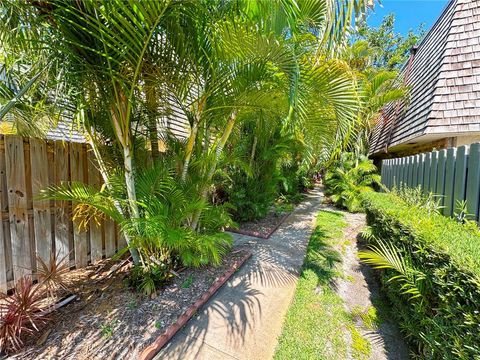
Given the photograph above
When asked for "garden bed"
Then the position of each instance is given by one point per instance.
(262, 228)
(110, 321)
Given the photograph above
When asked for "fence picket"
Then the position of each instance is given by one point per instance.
(415, 171)
(96, 229)
(62, 242)
(109, 238)
(433, 171)
(17, 203)
(426, 172)
(41, 208)
(449, 181)
(473, 181)
(460, 175)
(442, 157)
(421, 169)
(78, 174)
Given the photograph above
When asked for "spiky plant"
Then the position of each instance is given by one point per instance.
(51, 273)
(20, 313)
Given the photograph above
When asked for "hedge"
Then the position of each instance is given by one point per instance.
(445, 322)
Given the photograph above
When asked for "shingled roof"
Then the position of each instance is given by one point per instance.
(444, 81)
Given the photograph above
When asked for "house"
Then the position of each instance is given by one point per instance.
(443, 74)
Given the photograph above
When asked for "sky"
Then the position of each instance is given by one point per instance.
(409, 14)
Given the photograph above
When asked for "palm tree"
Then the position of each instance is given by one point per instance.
(220, 62)
(348, 178)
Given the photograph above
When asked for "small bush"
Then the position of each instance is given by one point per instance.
(431, 274)
(348, 177)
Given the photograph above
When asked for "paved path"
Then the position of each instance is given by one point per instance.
(244, 319)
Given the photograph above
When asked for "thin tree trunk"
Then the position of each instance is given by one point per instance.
(192, 138)
(218, 152)
(152, 107)
(189, 150)
(254, 147)
(103, 172)
(130, 182)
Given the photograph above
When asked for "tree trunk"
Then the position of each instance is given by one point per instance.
(189, 150)
(254, 147)
(218, 152)
(106, 180)
(152, 107)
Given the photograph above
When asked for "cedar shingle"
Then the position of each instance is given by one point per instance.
(444, 81)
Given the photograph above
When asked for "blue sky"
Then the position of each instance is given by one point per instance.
(409, 13)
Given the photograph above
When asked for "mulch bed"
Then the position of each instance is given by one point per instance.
(262, 228)
(110, 321)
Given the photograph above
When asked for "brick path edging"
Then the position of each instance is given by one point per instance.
(151, 350)
(258, 235)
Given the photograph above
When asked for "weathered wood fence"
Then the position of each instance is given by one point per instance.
(452, 173)
(31, 226)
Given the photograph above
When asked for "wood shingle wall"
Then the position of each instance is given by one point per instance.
(444, 82)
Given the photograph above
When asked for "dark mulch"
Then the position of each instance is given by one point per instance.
(110, 321)
(262, 228)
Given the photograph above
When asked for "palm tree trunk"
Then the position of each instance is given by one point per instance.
(218, 152)
(189, 150)
(103, 172)
(192, 138)
(254, 148)
(152, 107)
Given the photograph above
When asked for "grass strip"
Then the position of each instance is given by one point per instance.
(316, 322)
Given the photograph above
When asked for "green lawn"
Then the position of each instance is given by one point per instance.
(316, 323)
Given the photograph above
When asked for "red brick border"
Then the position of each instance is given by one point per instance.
(258, 235)
(151, 350)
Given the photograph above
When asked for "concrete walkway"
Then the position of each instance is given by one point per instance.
(244, 319)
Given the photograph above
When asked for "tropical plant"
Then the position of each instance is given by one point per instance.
(383, 255)
(125, 64)
(20, 313)
(416, 197)
(162, 234)
(51, 273)
(392, 49)
(348, 178)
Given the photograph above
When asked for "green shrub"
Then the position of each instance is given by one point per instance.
(431, 275)
(349, 177)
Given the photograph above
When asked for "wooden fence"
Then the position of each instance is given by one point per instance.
(452, 173)
(31, 226)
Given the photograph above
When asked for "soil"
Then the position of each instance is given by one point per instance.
(111, 321)
(262, 228)
(359, 289)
